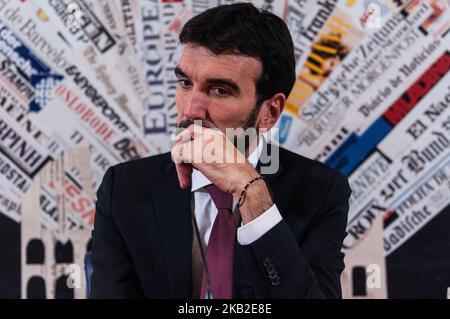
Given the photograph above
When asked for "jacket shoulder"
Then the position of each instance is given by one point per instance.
(309, 168)
(151, 166)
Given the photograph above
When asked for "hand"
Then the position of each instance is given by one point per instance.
(212, 153)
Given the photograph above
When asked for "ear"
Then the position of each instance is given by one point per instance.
(271, 110)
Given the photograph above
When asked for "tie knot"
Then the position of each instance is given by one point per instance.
(221, 199)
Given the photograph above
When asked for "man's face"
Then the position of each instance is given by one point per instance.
(217, 88)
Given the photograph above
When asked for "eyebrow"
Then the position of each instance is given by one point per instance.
(232, 85)
(179, 72)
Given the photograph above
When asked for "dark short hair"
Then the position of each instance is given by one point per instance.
(244, 29)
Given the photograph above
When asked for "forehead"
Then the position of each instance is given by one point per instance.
(200, 63)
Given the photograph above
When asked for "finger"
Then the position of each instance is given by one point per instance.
(177, 153)
(189, 152)
(183, 152)
(198, 131)
(184, 136)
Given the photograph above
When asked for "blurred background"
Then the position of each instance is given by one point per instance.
(87, 84)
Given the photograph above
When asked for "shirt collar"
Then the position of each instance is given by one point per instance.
(199, 180)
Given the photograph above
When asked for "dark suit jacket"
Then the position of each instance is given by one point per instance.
(142, 237)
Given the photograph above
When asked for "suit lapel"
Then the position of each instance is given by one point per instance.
(173, 213)
(172, 207)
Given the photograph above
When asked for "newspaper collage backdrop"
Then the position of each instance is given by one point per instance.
(87, 84)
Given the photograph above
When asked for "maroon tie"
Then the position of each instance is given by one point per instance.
(220, 250)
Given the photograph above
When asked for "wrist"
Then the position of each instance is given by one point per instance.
(243, 177)
(257, 200)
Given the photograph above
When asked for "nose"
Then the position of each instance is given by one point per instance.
(195, 105)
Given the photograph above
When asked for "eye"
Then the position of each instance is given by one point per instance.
(185, 84)
(220, 92)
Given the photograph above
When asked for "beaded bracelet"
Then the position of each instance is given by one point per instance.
(241, 197)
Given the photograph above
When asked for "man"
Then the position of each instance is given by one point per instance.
(277, 237)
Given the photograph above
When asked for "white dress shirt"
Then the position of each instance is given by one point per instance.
(205, 211)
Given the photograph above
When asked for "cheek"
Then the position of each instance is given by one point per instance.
(179, 101)
(229, 113)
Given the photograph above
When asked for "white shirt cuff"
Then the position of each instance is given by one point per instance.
(252, 231)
